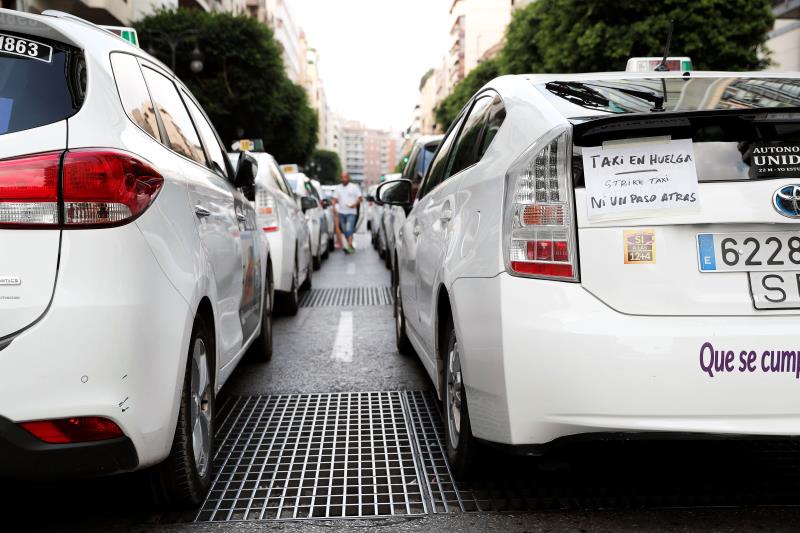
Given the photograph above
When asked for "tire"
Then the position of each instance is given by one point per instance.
(183, 479)
(463, 450)
(261, 349)
(290, 301)
(316, 262)
(311, 262)
(401, 338)
(387, 259)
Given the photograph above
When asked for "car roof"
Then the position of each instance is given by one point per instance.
(585, 76)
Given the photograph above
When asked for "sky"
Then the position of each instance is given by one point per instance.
(374, 52)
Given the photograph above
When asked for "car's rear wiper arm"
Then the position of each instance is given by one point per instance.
(577, 93)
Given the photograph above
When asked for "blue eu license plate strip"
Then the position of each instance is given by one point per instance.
(705, 251)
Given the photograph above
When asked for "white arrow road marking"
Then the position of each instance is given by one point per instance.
(343, 345)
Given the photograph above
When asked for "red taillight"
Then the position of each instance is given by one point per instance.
(106, 188)
(99, 188)
(29, 190)
(69, 430)
(539, 228)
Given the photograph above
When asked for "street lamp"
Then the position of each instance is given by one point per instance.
(173, 40)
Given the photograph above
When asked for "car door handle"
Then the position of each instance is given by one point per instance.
(446, 215)
(201, 211)
(417, 230)
(241, 217)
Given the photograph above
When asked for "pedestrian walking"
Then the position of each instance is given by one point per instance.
(346, 198)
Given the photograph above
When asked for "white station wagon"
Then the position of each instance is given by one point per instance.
(613, 253)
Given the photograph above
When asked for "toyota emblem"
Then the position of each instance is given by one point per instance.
(787, 201)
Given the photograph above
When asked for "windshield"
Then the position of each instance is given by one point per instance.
(43, 87)
(573, 98)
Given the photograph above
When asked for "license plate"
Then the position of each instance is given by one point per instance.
(18, 46)
(777, 251)
(775, 290)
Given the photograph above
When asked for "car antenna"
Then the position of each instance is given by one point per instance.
(662, 67)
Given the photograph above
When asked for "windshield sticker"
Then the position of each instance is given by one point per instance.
(777, 159)
(640, 179)
(640, 247)
(17, 46)
(6, 104)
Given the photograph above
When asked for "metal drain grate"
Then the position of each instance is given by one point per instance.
(347, 297)
(314, 456)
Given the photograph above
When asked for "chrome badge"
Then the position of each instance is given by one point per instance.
(786, 201)
(8, 281)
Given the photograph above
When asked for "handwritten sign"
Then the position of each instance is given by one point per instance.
(640, 179)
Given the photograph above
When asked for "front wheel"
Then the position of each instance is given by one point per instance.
(316, 263)
(183, 479)
(306, 286)
(462, 448)
(291, 300)
(401, 338)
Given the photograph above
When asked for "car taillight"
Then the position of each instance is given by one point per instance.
(29, 190)
(99, 188)
(106, 187)
(69, 430)
(265, 211)
(539, 225)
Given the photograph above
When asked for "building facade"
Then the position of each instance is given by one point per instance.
(784, 39)
(369, 153)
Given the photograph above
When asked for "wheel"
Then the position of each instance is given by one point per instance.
(316, 263)
(183, 479)
(401, 338)
(462, 448)
(290, 302)
(261, 349)
(312, 260)
(387, 259)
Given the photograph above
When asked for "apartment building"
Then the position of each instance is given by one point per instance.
(369, 153)
(784, 39)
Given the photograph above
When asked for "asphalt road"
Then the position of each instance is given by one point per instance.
(303, 364)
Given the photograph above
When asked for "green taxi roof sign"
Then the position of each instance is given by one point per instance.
(126, 33)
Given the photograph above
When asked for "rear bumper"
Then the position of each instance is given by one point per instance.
(24, 456)
(549, 360)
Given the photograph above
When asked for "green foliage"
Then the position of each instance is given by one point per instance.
(324, 166)
(600, 36)
(479, 76)
(597, 36)
(243, 87)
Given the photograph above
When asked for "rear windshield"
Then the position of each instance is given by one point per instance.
(728, 146)
(574, 98)
(41, 82)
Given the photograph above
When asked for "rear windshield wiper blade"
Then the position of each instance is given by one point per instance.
(656, 99)
(578, 93)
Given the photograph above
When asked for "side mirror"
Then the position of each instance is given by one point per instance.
(246, 172)
(307, 202)
(326, 203)
(395, 192)
(369, 198)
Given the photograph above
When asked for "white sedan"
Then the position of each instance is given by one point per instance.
(614, 254)
(133, 278)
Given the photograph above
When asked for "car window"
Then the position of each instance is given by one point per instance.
(35, 92)
(465, 153)
(497, 115)
(276, 179)
(408, 171)
(133, 93)
(181, 135)
(438, 169)
(209, 136)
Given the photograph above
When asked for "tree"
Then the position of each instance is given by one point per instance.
(448, 110)
(243, 86)
(324, 166)
(597, 36)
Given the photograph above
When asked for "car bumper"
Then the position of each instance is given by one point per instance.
(24, 456)
(113, 344)
(550, 360)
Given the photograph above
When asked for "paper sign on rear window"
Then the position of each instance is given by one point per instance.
(640, 179)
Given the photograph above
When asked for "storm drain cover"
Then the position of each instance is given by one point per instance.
(346, 455)
(347, 297)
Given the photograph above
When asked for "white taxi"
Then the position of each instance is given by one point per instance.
(616, 254)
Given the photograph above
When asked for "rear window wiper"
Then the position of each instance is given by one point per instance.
(656, 99)
(578, 93)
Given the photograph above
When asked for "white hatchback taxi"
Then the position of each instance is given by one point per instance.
(132, 275)
(615, 253)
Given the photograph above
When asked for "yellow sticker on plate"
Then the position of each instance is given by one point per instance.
(640, 247)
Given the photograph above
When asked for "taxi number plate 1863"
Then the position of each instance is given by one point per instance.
(18, 46)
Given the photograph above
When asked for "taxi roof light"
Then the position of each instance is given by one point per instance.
(649, 64)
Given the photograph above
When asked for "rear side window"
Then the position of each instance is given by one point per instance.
(466, 152)
(497, 115)
(215, 151)
(277, 179)
(41, 82)
(438, 172)
(133, 93)
(181, 135)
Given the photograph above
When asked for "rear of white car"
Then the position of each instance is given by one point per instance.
(104, 284)
(660, 322)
